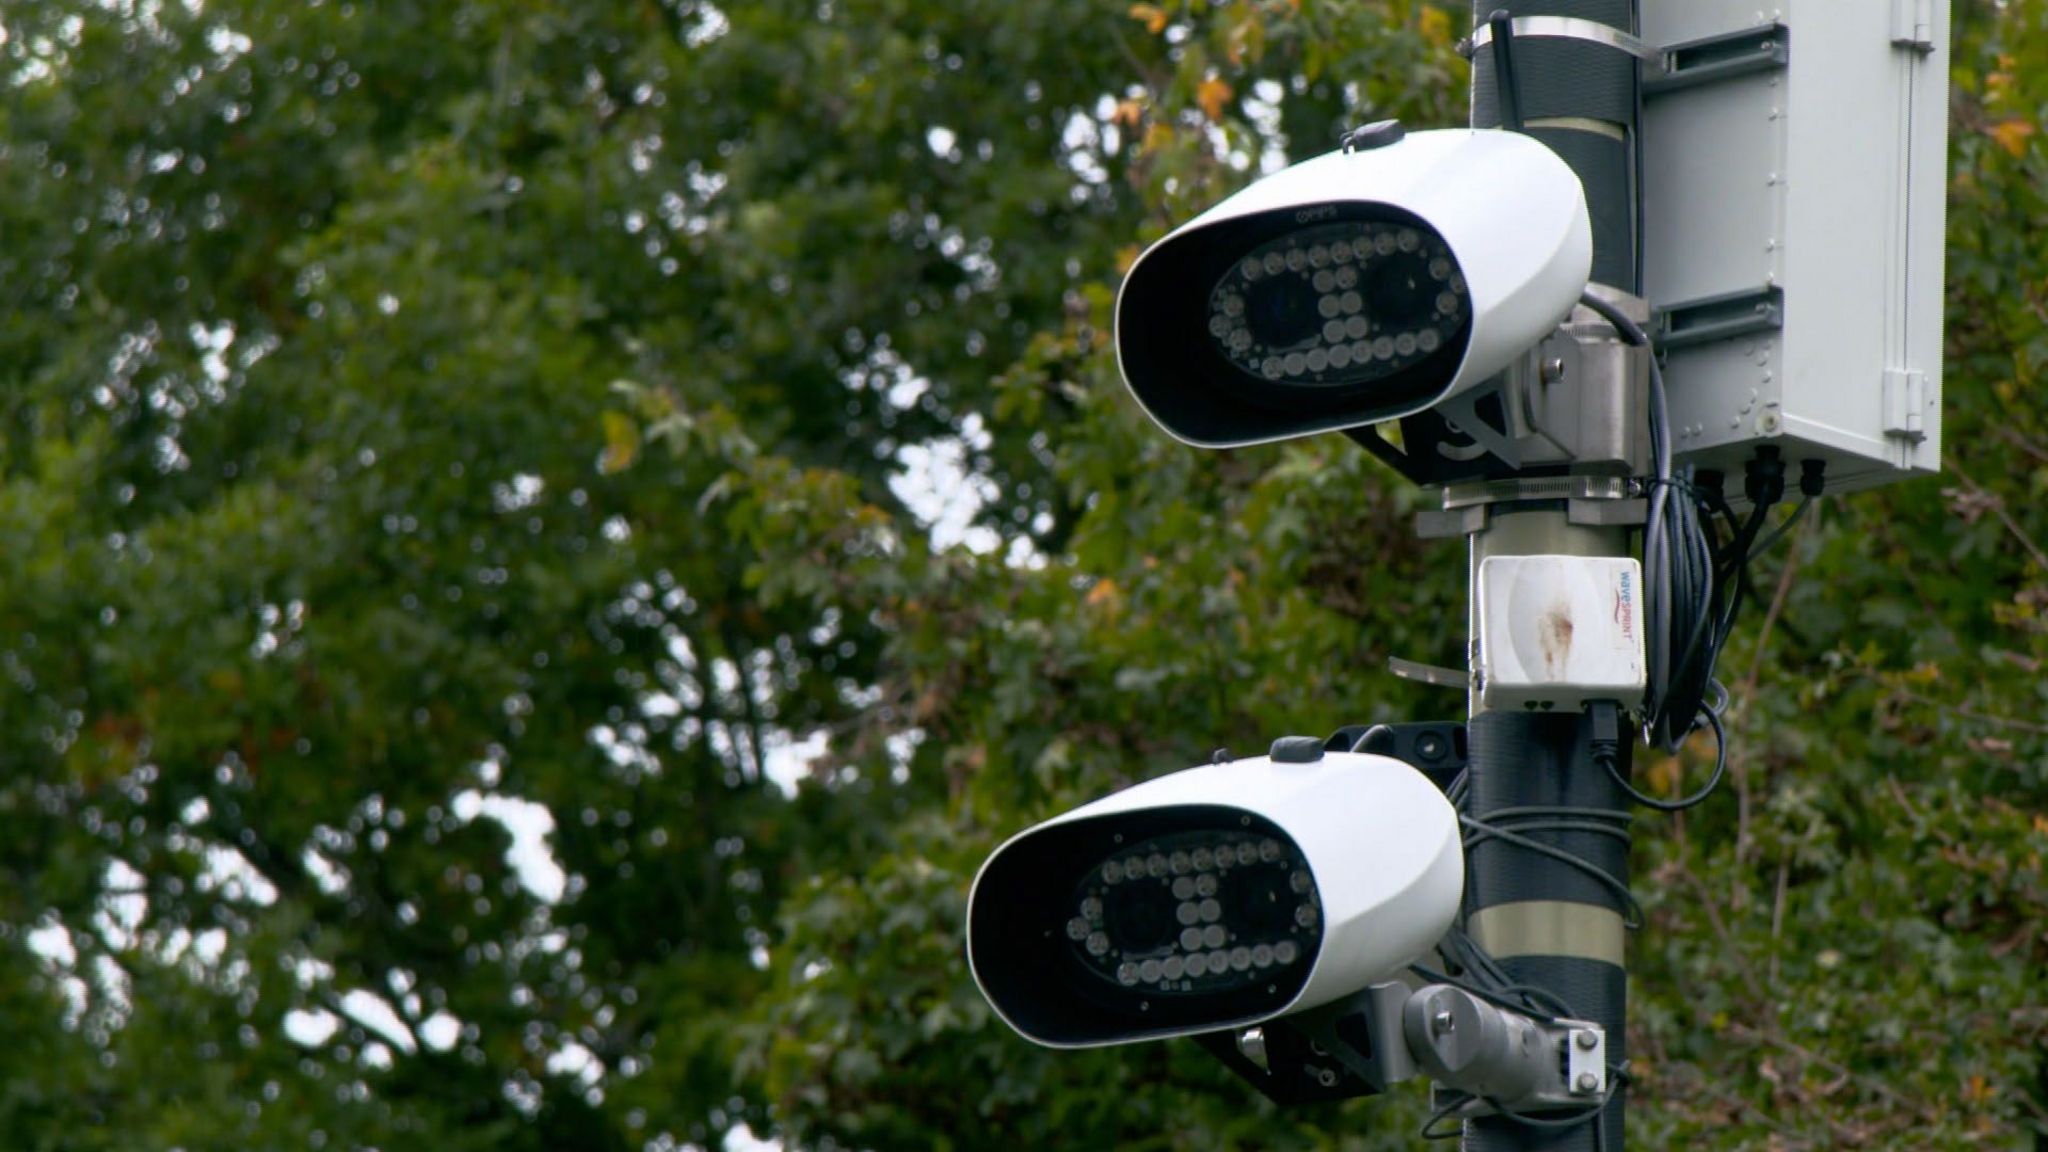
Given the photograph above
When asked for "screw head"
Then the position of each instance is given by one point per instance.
(1586, 1040)
(1586, 1082)
(1443, 1022)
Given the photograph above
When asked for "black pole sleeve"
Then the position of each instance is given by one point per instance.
(1564, 79)
(1545, 761)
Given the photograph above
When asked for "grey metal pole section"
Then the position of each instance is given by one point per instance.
(1548, 923)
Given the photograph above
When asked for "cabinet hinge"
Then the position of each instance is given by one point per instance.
(1913, 24)
(1905, 404)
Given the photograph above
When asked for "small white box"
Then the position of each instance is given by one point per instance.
(1559, 632)
(1795, 179)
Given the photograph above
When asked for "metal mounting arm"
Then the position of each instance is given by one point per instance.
(1501, 1060)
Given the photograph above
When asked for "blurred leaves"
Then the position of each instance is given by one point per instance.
(418, 426)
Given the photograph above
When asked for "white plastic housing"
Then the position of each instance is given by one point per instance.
(1381, 843)
(1512, 213)
(1559, 632)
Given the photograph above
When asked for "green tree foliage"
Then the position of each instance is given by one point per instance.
(459, 459)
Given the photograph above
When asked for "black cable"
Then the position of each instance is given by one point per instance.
(1785, 529)
(1564, 820)
(1553, 1123)
(1696, 555)
(1713, 718)
(1456, 1102)
(1507, 88)
(1678, 562)
(1460, 785)
(1494, 985)
(1430, 1127)
(1497, 999)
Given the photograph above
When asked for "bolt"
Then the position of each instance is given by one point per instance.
(1585, 1040)
(1587, 1082)
(1252, 1044)
(1443, 1022)
(1553, 370)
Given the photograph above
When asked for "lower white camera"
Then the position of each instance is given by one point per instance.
(1214, 898)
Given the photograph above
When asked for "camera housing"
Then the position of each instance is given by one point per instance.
(1216, 897)
(1353, 288)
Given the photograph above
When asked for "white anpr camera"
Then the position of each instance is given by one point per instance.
(1214, 898)
(1354, 288)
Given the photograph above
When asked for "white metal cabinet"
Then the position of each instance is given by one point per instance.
(1795, 198)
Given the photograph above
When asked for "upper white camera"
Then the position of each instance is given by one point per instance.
(1215, 898)
(1354, 288)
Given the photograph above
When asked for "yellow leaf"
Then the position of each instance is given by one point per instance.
(1211, 96)
(1663, 774)
(1157, 137)
(621, 443)
(1978, 1091)
(2012, 135)
(1234, 45)
(1128, 112)
(1152, 15)
(1107, 598)
(1435, 26)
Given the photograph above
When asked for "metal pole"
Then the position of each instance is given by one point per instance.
(1548, 923)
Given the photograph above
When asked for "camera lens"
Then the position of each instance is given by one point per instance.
(1402, 292)
(1139, 920)
(1281, 312)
